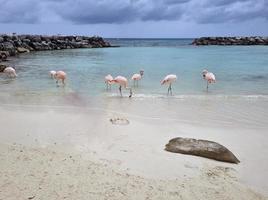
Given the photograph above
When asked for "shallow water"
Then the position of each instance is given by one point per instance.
(239, 70)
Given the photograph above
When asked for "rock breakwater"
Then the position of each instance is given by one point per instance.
(10, 45)
(254, 40)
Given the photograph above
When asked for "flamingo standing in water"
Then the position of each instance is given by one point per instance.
(122, 82)
(52, 74)
(169, 79)
(108, 80)
(10, 71)
(209, 77)
(60, 75)
(137, 77)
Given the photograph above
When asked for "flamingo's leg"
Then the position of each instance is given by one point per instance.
(170, 90)
(207, 85)
(130, 93)
(120, 90)
(63, 82)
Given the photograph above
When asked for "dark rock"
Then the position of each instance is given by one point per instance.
(4, 55)
(2, 67)
(231, 41)
(15, 37)
(203, 148)
(27, 41)
(17, 43)
(6, 38)
(36, 46)
(78, 38)
(26, 46)
(37, 38)
(8, 46)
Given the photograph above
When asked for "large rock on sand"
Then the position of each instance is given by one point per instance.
(203, 148)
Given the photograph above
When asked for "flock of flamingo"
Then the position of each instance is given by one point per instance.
(168, 80)
(121, 80)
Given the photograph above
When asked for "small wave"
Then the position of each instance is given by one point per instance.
(199, 97)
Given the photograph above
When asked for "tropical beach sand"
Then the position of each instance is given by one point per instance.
(42, 173)
(65, 152)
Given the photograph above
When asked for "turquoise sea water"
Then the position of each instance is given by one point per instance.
(239, 70)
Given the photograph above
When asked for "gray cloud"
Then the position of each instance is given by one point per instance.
(25, 11)
(124, 11)
(229, 11)
(94, 12)
(110, 11)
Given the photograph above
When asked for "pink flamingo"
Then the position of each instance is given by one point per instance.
(122, 82)
(10, 71)
(137, 77)
(108, 80)
(209, 77)
(60, 75)
(169, 79)
(52, 74)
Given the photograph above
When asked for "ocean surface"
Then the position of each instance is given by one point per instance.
(241, 71)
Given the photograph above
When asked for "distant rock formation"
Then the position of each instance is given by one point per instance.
(11, 45)
(231, 41)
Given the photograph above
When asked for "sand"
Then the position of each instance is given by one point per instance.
(42, 173)
(65, 152)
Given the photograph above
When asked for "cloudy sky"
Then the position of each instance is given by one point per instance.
(135, 18)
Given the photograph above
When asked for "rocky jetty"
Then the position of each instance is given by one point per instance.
(231, 41)
(10, 45)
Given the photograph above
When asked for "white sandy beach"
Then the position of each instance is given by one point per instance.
(50, 152)
(43, 173)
